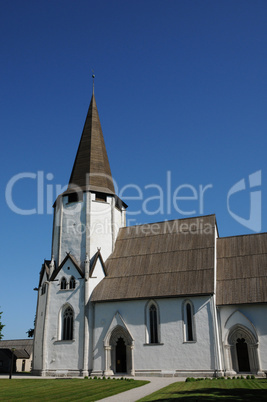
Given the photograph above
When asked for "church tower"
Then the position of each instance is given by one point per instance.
(87, 218)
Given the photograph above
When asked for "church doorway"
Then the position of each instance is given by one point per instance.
(121, 366)
(242, 355)
(118, 345)
(241, 351)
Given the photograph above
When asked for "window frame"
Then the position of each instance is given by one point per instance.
(152, 339)
(72, 283)
(189, 328)
(100, 197)
(63, 330)
(153, 324)
(63, 279)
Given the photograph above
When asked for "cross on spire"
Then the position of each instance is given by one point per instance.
(93, 76)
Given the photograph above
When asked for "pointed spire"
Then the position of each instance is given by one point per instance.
(91, 170)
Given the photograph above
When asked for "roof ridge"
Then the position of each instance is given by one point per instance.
(172, 220)
(242, 255)
(242, 277)
(158, 234)
(159, 252)
(242, 235)
(158, 273)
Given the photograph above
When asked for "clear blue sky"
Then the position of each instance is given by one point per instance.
(181, 87)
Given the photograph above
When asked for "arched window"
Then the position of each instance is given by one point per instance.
(63, 284)
(72, 282)
(67, 324)
(153, 324)
(189, 329)
(188, 319)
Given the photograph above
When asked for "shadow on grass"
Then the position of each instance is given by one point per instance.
(213, 394)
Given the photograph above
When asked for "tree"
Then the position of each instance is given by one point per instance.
(1, 326)
(30, 331)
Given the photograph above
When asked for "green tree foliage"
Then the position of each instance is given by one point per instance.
(30, 331)
(1, 326)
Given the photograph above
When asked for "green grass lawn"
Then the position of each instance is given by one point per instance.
(212, 390)
(63, 389)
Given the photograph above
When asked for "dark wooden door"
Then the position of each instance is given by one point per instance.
(242, 355)
(120, 356)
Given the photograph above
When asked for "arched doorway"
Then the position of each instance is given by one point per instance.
(242, 355)
(118, 345)
(241, 351)
(121, 364)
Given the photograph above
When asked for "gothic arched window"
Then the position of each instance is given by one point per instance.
(67, 324)
(153, 324)
(63, 284)
(72, 283)
(189, 328)
(188, 318)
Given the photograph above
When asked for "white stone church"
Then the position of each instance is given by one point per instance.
(171, 298)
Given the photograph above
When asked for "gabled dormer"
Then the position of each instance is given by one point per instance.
(97, 271)
(44, 276)
(67, 274)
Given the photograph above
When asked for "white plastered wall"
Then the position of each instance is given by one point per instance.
(97, 275)
(172, 355)
(39, 327)
(24, 367)
(101, 226)
(78, 233)
(65, 355)
(79, 228)
(73, 230)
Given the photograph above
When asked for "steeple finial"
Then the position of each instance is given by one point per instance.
(93, 76)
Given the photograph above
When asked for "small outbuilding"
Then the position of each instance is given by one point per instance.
(22, 359)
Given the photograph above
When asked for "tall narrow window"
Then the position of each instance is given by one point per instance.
(153, 322)
(189, 328)
(188, 319)
(67, 327)
(72, 282)
(63, 284)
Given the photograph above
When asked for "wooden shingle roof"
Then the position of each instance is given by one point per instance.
(91, 170)
(23, 347)
(165, 259)
(242, 269)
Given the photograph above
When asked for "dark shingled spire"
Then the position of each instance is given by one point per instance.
(91, 170)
